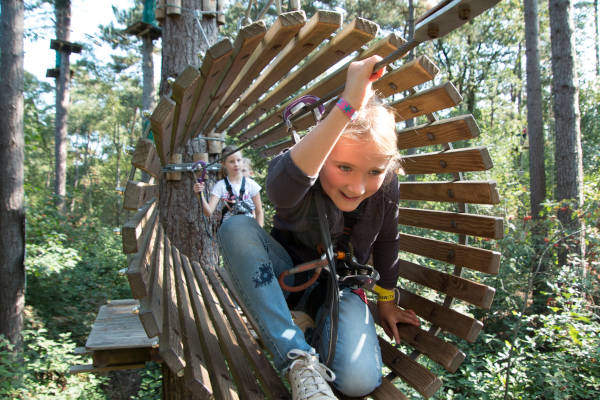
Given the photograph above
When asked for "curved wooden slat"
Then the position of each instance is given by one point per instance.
(413, 373)
(468, 224)
(450, 161)
(443, 131)
(279, 34)
(444, 353)
(248, 38)
(332, 81)
(472, 292)
(161, 122)
(151, 310)
(316, 30)
(171, 347)
(138, 271)
(132, 229)
(215, 62)
(145, 157)
(184, 90)
(387, 391)
(413, 73)
(196, 371)
(351, 38)
(230, 347)
(482, 260)
(450, 15)
(267, 374)
(472, 192)
(446, 318)
(427, 101)
(138, 193)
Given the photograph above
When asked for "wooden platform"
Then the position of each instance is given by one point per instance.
(117, 339)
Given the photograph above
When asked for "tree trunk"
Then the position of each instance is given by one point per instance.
(12, 211)
(568, 152)
(535, 132)
(180, 212)
(62, 9)
(147, 73)
(535, 127)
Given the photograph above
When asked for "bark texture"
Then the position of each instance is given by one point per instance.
(535, 128)
(63, 28)
(12, 211)
(568, 152)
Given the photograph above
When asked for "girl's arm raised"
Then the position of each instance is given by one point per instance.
(310, 153)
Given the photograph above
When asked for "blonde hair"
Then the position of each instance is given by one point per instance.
(376, 122)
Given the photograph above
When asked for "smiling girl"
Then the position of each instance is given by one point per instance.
(349, 159)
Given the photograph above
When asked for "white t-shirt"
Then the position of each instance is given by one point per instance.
(251, 189)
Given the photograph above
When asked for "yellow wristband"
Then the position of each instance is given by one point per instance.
(384, 294)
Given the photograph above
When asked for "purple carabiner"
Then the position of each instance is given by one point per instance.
(203, 164)
(300, 103)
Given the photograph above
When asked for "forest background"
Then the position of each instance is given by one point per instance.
(541, 336)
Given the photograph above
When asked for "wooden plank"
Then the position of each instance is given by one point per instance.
(171, 348)
(472, 192)
(450, 161)
(468, 224)
(138, 193)
(332, 81)
(145, 157)
(350, 39)
(449, 130)
(448, 17)
(183, 90)
(281, 32)
(117, 326)
(444, 353)
(196, 373)
(472, 292)
(267, 374)
(446, 318)
(246, 41)
(161, 122)
(387, 391)
(106, 358)
(413, 373)
(138, 272)
(87, 368)
(238, 364)
(131, 231)
(215, 61)
(427, 101)
(482, 260)
(151, 310)
(316, 30)
(409, 75)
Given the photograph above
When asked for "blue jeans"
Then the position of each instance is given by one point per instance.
(254, 261)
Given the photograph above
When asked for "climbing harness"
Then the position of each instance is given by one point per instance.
(235, 205)
(344, 271)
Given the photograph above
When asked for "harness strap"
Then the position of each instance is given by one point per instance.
(240, 198)
(333, 290)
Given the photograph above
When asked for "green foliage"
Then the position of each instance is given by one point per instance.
(41, 370)
(151, 385)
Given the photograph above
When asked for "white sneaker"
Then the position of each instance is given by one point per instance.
(308, 377)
